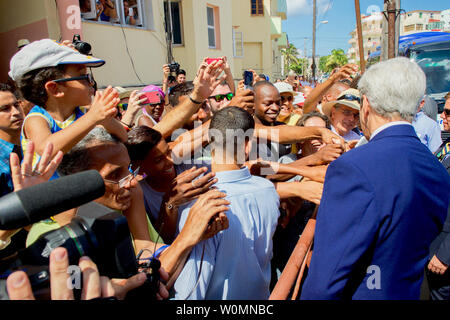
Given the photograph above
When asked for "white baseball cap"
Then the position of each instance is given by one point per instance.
(47, 53)
(284, 87)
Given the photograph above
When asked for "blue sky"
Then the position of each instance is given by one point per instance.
(340, 15)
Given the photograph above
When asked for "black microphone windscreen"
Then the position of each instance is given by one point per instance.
(39, 202)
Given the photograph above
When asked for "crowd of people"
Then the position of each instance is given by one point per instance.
(218, 180)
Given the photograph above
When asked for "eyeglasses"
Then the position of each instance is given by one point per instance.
(447, 112)
(88, 77)
(288, 98)
(125, 180)
(220, 97)
(123, 106)
(350, 97)
(348, 113)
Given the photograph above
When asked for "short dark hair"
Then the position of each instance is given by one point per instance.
(79, 158)
(4, 87)
(314, 114)
(171, 78)
(31, 85)
(232, 119)
(181, 89)
(181, 71)
(140, 141)
(262, 84)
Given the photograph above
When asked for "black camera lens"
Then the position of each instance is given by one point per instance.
(83, 47)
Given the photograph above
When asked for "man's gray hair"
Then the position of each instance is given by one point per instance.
(78, 158)
(394, 87)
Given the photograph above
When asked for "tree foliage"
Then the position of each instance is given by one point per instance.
(336, 59)
(290, 55)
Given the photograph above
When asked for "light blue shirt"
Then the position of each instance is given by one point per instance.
(428, 131)
(236, 261)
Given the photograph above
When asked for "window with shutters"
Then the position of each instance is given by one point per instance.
(257, 7)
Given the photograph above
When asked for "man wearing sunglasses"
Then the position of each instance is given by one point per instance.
(438, 273)
(344, 114)
(220, 98)
(443, 152)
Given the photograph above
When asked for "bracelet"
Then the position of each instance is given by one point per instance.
(160, 250)
(193, 101)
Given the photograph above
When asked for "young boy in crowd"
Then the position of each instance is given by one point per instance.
(55, 78)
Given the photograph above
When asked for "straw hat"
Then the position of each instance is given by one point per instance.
(349, 98)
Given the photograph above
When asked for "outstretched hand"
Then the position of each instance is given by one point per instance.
(188, 186)
(244, 99)
(23, 175)
(207, 79)
(206, 217)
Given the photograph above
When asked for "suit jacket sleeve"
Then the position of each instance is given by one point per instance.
(347, 222)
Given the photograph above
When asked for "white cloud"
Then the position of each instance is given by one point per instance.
(305, 7)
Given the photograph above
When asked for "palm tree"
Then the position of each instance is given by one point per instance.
(337, 59)
(290, 56)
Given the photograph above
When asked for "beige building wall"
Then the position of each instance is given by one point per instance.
(260, 38)
(24, 19)
(195, 34)
(256, 37)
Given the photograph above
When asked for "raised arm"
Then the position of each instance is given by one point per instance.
(318, 92)
(285, 134)
(101, 112)
(204, 84)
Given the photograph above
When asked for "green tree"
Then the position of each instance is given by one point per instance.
(290, 56)
(300, 66)
(337, 59)
(322, 63)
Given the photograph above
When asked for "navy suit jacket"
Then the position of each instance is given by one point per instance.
(383, 204)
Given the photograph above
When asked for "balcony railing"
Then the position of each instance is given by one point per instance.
(282, 9)
(275, 27)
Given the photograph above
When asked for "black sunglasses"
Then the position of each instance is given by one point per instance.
(350, 97)
(88, 77)
(220, 97)
(123, 106)
(447, 112)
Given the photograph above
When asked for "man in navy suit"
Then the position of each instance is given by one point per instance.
(384, 202)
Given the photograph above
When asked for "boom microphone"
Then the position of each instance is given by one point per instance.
(39, 202)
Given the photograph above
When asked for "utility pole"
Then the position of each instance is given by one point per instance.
(305, 56)
(362, 60)
(313, 66)
(391, 29)
(168, 25)
(391, 10)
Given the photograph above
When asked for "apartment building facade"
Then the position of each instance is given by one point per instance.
(420, 21)
(372, 31)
